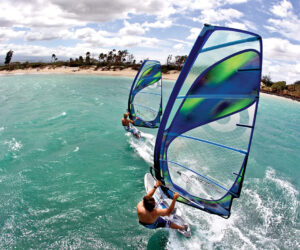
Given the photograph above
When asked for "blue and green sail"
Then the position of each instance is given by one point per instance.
(203, 142)
(145, 98)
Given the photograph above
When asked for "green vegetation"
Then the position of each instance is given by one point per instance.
(175, 64)
(266, 80)
(281, 88)
(114, 59)
(8, 57)
(281, 85)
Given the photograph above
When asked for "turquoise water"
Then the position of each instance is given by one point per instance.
(70, 177)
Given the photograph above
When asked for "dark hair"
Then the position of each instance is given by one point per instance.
(149, 203)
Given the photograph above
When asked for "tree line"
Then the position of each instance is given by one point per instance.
(112, 59)
(122, 59)
(280, 87)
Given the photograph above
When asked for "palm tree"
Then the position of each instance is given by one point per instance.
(101, 57)
(53, 58)
(8, 57)
(88, 58)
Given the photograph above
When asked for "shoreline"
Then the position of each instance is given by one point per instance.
(128, 72)
(289, 97)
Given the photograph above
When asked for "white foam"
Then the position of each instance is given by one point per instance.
(143, 146)
(1, 129)
(255, 219)
(62, 114)
(282, 184)
(76, 149)
(14, 145)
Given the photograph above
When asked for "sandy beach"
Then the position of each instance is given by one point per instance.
(172, 75)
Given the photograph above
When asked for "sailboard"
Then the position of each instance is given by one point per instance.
(145, 97)
(204, 139)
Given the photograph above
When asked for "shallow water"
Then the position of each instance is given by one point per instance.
(70, 177)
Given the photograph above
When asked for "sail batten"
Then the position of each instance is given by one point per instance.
(220, 96)
(207, 127)
(210, 142)
(230, 44)
(206, 178)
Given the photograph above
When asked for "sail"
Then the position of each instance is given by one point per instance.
(145, 98)
(205, 135)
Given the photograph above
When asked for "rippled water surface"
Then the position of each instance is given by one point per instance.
(71, 178)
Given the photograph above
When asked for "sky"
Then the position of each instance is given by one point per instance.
(150, 29)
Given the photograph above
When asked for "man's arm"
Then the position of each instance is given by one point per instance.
(131, 121)
(168, 211)
(152, 191)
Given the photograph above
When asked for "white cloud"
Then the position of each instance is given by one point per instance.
(289, 27)
(283, 9)
(132, 29)
(35, 13)
(125, 38)
(66, 13)
(158, 24)
(280, 59)
(287, 23)
(8, 33)
(282, 71)
(213, 16)
(280, 49)
(245, 25)
(236, 25)
(196, 4)
(236, 1)
(178, 47)
(43, 34)
(194, 33)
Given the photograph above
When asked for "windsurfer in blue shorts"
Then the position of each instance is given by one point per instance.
(127, 124)
(150, 217)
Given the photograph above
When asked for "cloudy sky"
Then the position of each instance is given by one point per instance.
(147, 28)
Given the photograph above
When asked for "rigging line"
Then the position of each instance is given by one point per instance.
(208, 96)
(209, 142)
(248, 69)
(146, 108)
(150, 93)
(213, 182)
(250, 39)
(196, 204)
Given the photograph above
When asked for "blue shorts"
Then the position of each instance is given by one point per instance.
(160, 222)
(132, 130)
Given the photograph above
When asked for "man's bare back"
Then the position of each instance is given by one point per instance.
(152, 219)
(126, 121)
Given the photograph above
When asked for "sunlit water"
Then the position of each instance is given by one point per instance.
(70, 177)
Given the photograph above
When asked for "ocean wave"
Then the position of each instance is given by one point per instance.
(13, 145)
(63, 114)
(265, 216)
(144, 146)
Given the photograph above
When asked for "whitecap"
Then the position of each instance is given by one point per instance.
(58, 116)
(13, 145)
(143, 146)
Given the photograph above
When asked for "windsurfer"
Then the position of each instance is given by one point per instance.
(127, 124)
(150, 217)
